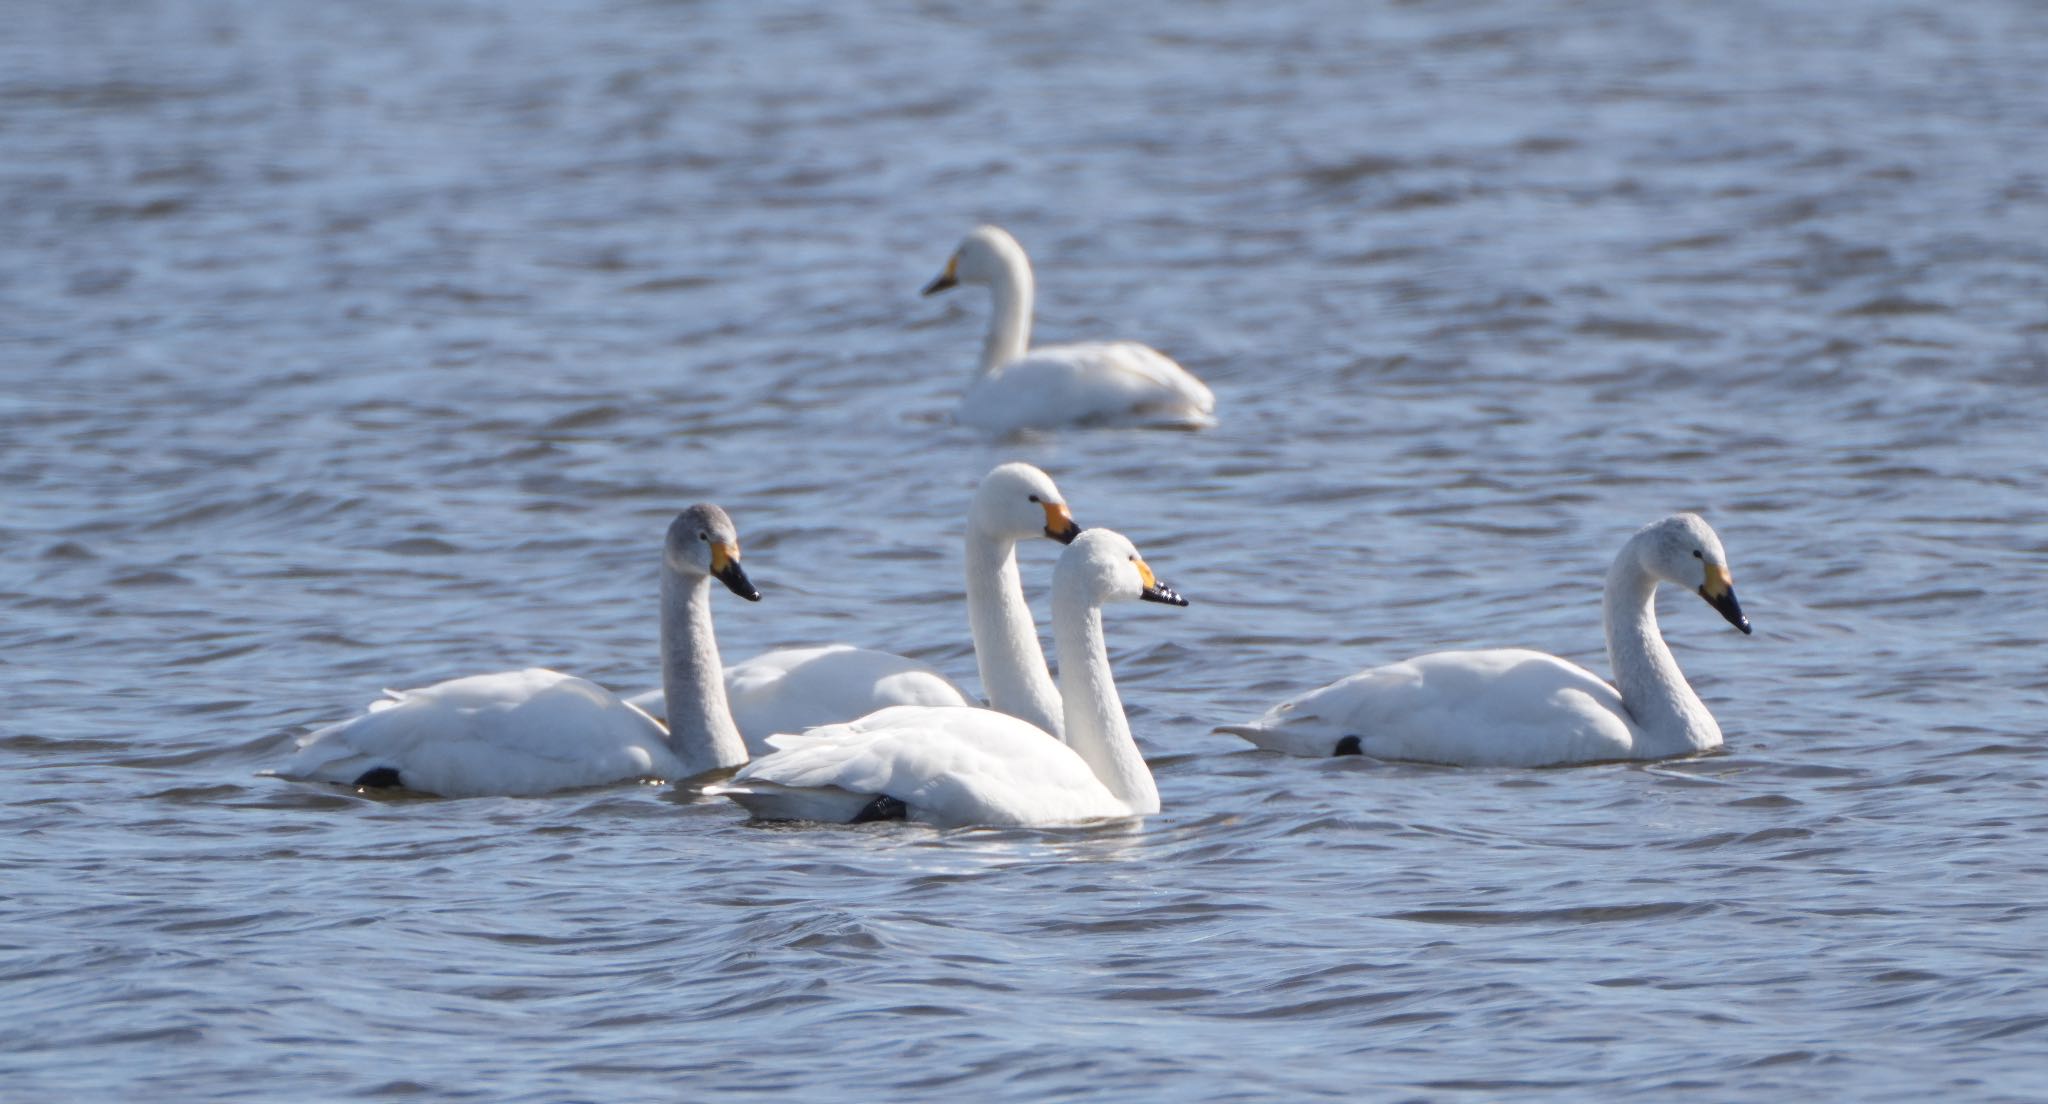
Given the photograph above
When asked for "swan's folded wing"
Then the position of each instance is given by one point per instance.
(1503, 707)
(792, 689)
(1111, 382)
(949, 765)
(514, 733)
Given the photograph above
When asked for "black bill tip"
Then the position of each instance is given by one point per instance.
(1161, 593)
(1065, 534)
(943, 281)
(735, 580)
(1728, 607)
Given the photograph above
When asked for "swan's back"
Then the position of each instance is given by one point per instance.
(792, 689)
(949, 765)
(1499, 707)
(1093, 383)
(510, 733)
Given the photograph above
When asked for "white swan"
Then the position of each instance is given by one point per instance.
(951, 766)
(792, 689)
(536, 731)
(1518, 708)
(1097, 383)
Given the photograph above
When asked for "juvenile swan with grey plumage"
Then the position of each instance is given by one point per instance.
(953, 766)
(1096, 383)
(1512, 707)
(535, 731)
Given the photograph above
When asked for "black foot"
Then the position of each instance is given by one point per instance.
(1349, 745)
(881, 808)
(380, 778)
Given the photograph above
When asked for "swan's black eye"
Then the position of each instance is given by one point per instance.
(703, 536)
(1034, 498)
(1696, 554)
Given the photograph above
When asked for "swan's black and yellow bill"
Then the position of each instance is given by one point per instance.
(1719, 591)
(1059, 523)
(725, 567)
(946, 279)
(1155, 591)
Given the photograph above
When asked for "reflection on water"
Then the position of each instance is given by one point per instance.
(361, 347)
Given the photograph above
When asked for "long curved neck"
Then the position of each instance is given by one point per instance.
(1006, 647)
(1009, 328)
(700, 727)
(1672, 719)
(1096, 726)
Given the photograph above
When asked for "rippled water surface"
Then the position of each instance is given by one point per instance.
(364, 345)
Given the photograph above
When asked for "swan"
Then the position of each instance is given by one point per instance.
(518, 733)
(1096, 383)
(792, 689)
(953, 767)
(1517, 708)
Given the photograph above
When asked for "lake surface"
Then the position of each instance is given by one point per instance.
(357, 346)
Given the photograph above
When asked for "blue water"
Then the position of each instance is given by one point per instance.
(355, 346)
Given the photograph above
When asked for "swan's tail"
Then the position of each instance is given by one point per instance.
(769, 801)
(1288, 739)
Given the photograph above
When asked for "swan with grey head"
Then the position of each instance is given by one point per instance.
(535, 731)
(792, 689)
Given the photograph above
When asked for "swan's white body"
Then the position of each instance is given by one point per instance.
(1512, 707)
(535, 731)
(512, 733)
(792, 689)
(1016, 387)
(952, 767)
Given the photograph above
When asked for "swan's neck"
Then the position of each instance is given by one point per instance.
(1096, 726)
(1671, 718)
(700, 727)
(1009, 328)
(1006, 647)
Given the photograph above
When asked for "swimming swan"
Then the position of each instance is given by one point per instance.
(535, 731)
(1518, 708)
(951, 766)
(792, 689)
(1098, 383)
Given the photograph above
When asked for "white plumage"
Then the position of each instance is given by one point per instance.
(1017, 387)
(953, 766)
(1513, 707)
(535, 731)
(513, 733)
(792, 689)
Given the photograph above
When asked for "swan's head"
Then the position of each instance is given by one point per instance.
(1017, 502)
(1683, 550)
(984, 256)
(1106, 565)
(702, 541)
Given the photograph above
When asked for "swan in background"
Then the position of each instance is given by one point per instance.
(1517, 708)
(951, 766)
(792, 689)
(1097, 383)
(535, 731)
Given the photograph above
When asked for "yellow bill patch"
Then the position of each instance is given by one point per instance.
(1719, 581)
(723, 555)
(1145, 571)
(1057, 517)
